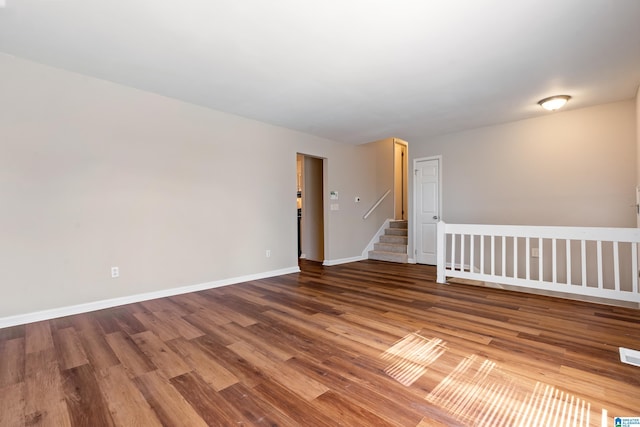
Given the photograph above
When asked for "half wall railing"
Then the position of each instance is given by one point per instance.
(592, 261)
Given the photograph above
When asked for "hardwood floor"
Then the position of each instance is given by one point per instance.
(361, 344)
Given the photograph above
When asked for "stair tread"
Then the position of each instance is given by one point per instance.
(388, 256)
(390, 247)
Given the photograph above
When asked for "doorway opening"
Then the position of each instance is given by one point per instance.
(400, 174)
(310, 207)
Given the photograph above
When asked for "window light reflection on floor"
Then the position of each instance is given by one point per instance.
(477, 392)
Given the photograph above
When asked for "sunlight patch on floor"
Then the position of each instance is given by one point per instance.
(410, 357)
(477, 392)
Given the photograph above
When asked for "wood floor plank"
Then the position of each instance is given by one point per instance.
(93, 341)
(38, 337)
(291, 404)
(181, 326)
(132, 359)
(44, 397)
(164, 304)
(164, 330)
(247, 373)
(85, 402)
(364, 343)
(271, 345)
(201, 361)
(281, 373)
(12, 353)
(214, 409)
(348, 413)
(160, 354)
(69, 348)
(127, 405)
(190, 303)
(358, 392)
(170, 406)
(12, 405)
(254, 409)
(12, 332)
(241, 319)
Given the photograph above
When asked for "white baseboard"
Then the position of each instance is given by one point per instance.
(21, 319)
(330, 262)
(411, 261)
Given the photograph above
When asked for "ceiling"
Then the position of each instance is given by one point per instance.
(353, 71)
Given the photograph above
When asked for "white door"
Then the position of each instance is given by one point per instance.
(427, 209)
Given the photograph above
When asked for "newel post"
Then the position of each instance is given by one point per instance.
(441, 251)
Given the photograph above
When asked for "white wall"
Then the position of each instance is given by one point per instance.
(573, 168)
(94, 175)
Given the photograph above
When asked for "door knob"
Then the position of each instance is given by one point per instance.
(435, 217)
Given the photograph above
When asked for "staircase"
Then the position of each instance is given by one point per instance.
(393, 244)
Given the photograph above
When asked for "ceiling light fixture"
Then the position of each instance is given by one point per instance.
(553, 103)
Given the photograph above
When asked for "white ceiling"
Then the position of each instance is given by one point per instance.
(350, 70)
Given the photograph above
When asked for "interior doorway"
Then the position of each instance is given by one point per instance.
(310, 204)
(400, 177)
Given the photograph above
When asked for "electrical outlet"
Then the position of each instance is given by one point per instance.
(115, 272)
(268, 253)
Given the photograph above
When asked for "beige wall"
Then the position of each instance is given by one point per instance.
(94, 175)
(572, 168)
(361, 170)
(638, 147)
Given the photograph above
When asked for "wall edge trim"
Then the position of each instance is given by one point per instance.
(330, 262)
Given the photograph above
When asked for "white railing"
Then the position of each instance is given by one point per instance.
(599, 262)
(376, 204)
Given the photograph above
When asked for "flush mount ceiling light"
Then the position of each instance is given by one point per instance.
(553, 103)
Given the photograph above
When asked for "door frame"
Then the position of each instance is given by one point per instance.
(307, 193)
(403, 175)
(414, 210)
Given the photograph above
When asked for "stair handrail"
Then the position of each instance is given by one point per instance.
(376, 204)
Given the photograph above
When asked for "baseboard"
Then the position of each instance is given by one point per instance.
(343, 260)
(37, 316)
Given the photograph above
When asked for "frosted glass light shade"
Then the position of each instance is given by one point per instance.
(554, 102)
